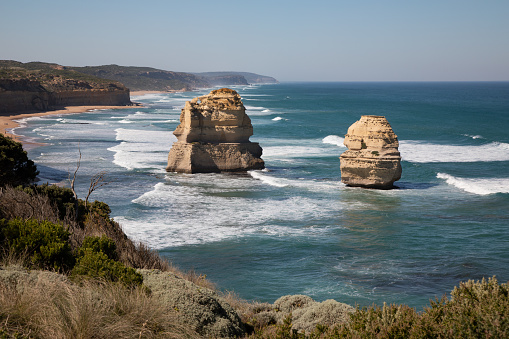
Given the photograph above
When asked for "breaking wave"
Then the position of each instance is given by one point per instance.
(421, 152)
(480, 186)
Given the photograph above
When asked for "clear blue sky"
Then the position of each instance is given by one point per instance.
(355, 40)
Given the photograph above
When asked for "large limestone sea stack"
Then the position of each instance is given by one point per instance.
(213, 136)
(372, 159)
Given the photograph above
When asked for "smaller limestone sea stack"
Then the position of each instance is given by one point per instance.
(372, 159)
(213, 136)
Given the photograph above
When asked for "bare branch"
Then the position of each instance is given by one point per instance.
(97, 181)
(73, 180)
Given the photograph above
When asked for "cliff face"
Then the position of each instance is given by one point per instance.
(30, 90)
(213, 136)
(372, 159)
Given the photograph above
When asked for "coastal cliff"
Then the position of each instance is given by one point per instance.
(35, 87)
(213, 136)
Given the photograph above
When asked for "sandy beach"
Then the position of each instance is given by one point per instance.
(138, 93)
(9, 122)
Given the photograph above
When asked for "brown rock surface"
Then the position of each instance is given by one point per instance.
(24, 95)
(213, 136)
(372, 159)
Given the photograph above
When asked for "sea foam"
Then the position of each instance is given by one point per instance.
(141, 148)
(480, 186)
(334, 140)
(423, 152)
(310, 185)
(193, 210)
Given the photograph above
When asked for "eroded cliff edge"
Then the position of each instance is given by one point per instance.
(37, 87)
(213, 136)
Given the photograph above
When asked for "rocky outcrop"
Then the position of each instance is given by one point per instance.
(372, 159)
(200, 308)
(213, 136)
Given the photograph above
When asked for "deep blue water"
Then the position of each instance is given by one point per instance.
(295, 229)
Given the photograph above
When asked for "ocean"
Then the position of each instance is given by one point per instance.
(294, 228)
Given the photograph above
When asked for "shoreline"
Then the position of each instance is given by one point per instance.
(139, 93)
(8, 122)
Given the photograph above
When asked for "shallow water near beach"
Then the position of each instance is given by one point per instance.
(294, 228)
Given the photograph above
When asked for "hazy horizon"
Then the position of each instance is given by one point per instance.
(292, 41)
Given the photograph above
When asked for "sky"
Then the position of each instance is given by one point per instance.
(319, 40)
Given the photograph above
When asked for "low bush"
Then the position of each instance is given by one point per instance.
(93, 263)
(475, 310)
(99, 244)
(45, 244)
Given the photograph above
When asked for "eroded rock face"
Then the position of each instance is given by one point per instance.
(372, 159)
(23, 95)
(213, 136)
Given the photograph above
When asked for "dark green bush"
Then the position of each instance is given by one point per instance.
(15, 167)
(44, 243)
(97, 259)
(100, 244)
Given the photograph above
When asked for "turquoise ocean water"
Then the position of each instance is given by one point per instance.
(294, 228)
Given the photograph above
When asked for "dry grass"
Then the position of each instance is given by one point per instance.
(58, 309)
(192, 276)
(19, 204)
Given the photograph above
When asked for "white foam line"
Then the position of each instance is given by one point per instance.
(422, 152)
(480, 186)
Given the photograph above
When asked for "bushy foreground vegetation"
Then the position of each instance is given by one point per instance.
(100, 291)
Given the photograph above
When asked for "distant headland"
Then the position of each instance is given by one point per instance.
(41, 86)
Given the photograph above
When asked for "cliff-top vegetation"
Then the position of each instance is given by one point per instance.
(50, 77)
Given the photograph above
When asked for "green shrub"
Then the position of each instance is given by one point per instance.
(100, 244)
(45, 243)
(15, 167)
(394, 321)
(97, 260)
(475, 310)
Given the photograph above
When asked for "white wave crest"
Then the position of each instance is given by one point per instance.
(290, 152)
(272, 181)
(141, 148)
(422, 152)
(311, 185)
(278, 119)
(473, 136)
(478, 186)
(334, 140)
